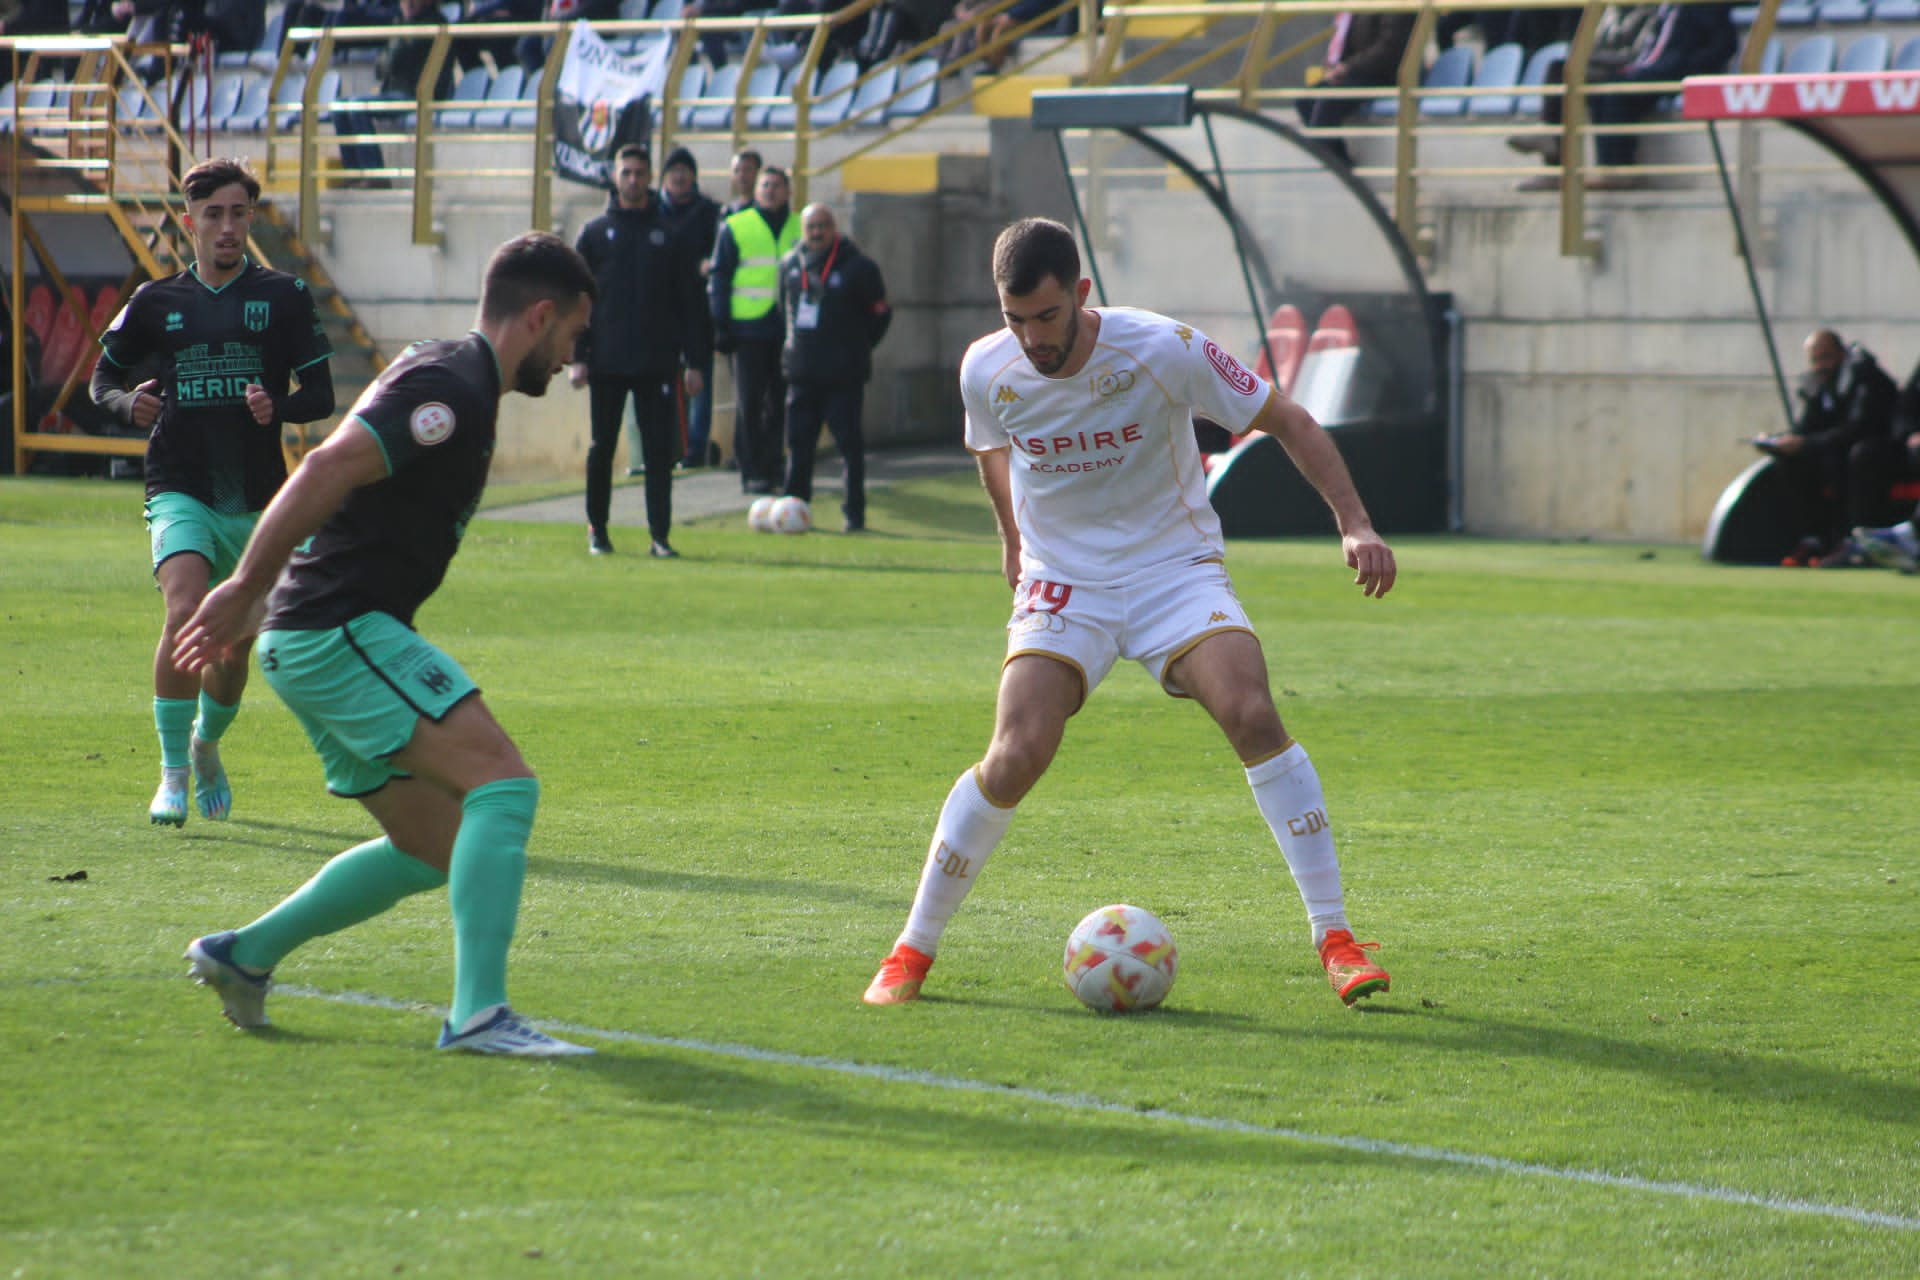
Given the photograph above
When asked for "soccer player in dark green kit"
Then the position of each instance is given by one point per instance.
(228, 338)
(398, 725)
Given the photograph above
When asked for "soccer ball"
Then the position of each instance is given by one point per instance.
(760, 515)
(1120, 958)
(791, 515)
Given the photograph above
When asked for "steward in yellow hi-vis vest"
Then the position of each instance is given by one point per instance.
(743, 292)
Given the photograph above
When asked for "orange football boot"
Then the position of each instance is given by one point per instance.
(899, 978)
(1350, 970)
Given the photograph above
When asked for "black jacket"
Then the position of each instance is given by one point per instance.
(646, 319)
(1857, 405)
(696, 221)
(845, 285)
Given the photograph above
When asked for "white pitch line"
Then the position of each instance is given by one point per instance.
(1080, 1102)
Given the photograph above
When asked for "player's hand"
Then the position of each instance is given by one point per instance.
(220, 630)
(259, 404)
(695, 383)
(577, 374)
(147, 404)
(1372, 562)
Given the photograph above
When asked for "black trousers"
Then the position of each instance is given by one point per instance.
(655, 410)
(808, 405)
(759, 393)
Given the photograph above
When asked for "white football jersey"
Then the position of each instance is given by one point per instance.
(1105, 469)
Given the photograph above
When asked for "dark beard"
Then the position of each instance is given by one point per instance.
(533, 375)
(1057, 363)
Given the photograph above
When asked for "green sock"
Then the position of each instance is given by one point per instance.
(214, 718)
(173, 717)
(354, 886)
(483, 887)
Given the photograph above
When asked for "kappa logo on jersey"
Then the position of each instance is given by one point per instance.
(256, 316)
(1231, 371)
(431, 423)
(1185, 334)
(1219, 617)
(1005, 394)
(1112, 383)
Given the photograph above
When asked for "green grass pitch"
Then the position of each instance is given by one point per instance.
(1638, 834)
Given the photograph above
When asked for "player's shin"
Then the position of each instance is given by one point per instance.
(354, 886)
(1287, 789)
(214, 718)
(970, 827)
(173, 719)
(484, 879)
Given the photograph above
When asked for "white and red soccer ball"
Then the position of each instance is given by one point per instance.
(760, 515)
(1120, 958)
(790, 515)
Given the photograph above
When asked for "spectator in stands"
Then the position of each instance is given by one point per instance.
(786, 47)
(397, 72)
(898, 25)
(501, 49)
(742, 296)
(992, 39)
(532, 50)
(644, 331)
(1834, 456)
(746, 175)
(1365, 51)
(1625, 33)
(693, 216)
(835, 305)
(1688, 40)
(33, 18)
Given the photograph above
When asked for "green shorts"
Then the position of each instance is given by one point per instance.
(177, 523)
(359, 691)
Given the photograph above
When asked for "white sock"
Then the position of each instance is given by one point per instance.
(1288, 792)
(970, 826)
(1904, 532)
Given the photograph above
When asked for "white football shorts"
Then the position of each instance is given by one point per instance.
(1154, 621)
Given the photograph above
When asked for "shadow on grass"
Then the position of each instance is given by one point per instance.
(704, 883)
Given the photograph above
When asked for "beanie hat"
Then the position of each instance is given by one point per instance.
(680, 155)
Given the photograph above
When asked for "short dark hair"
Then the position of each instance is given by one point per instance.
(775, 171)
(209, 176)
(1031, 252)
(748, 154)
(633, 149)
(533, 268)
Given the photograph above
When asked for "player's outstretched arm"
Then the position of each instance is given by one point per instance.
(229, 616)
(1319, 460)
(996, 476)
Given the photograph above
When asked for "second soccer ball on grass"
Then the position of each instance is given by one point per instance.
(1120, 958)
(760, 515)
(791, 515)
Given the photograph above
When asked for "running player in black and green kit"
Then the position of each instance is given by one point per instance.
(225, 339)
(399, 726)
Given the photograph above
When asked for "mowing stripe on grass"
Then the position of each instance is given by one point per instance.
(1080, 1102)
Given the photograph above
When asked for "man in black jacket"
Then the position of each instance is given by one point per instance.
(694, 216)
(1835, 454)
(647, 322)
(1365, 50)
(835, 305)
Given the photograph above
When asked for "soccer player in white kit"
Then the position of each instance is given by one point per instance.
(1081, 422)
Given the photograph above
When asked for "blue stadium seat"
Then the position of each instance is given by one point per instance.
(1869, 53)
(1908, 59)
(1743, 15)
(1794, 15)
(507, 87)
(1896, 10)
(249, 114)
(227, 87)
(667, 10)
(7, 91)
(723, 84)
(1545, 56)
(1451, 70)
(1773, 57)
(833, 97)
(1813, 56)
(767, 81)
(266, 53)
(919, 89)
(781, 115)
(692, 81)
(286, 111)
(1843, 12)
(471, 87)
(1500, 69)
(865, 110)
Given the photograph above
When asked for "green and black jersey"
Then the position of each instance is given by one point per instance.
(434, 412)
(209, 344)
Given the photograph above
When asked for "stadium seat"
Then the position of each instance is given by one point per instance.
(470, 88)
(865, 108)
(919, 89)
(1896, 10)
(1543, 58)
(1453, 69)
(633, 10)
(1335, 329)
(1286, 341)
(249, 114)
(39, 312)
(1813, 56)
(63, 346)
(717, 112)
(833, 98)
(1794, 15)
(507, 87)
(227, 87)
(286, 111)
(779, 115)
(1870, 53)
(6, 105)
(1744, 14)
(667, 10)
(692, 81)
(133, 104)
(1500, 69)
(1843, 12)
(765, 82)
(1908, 59)
(266, 54)
(1773, 56)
